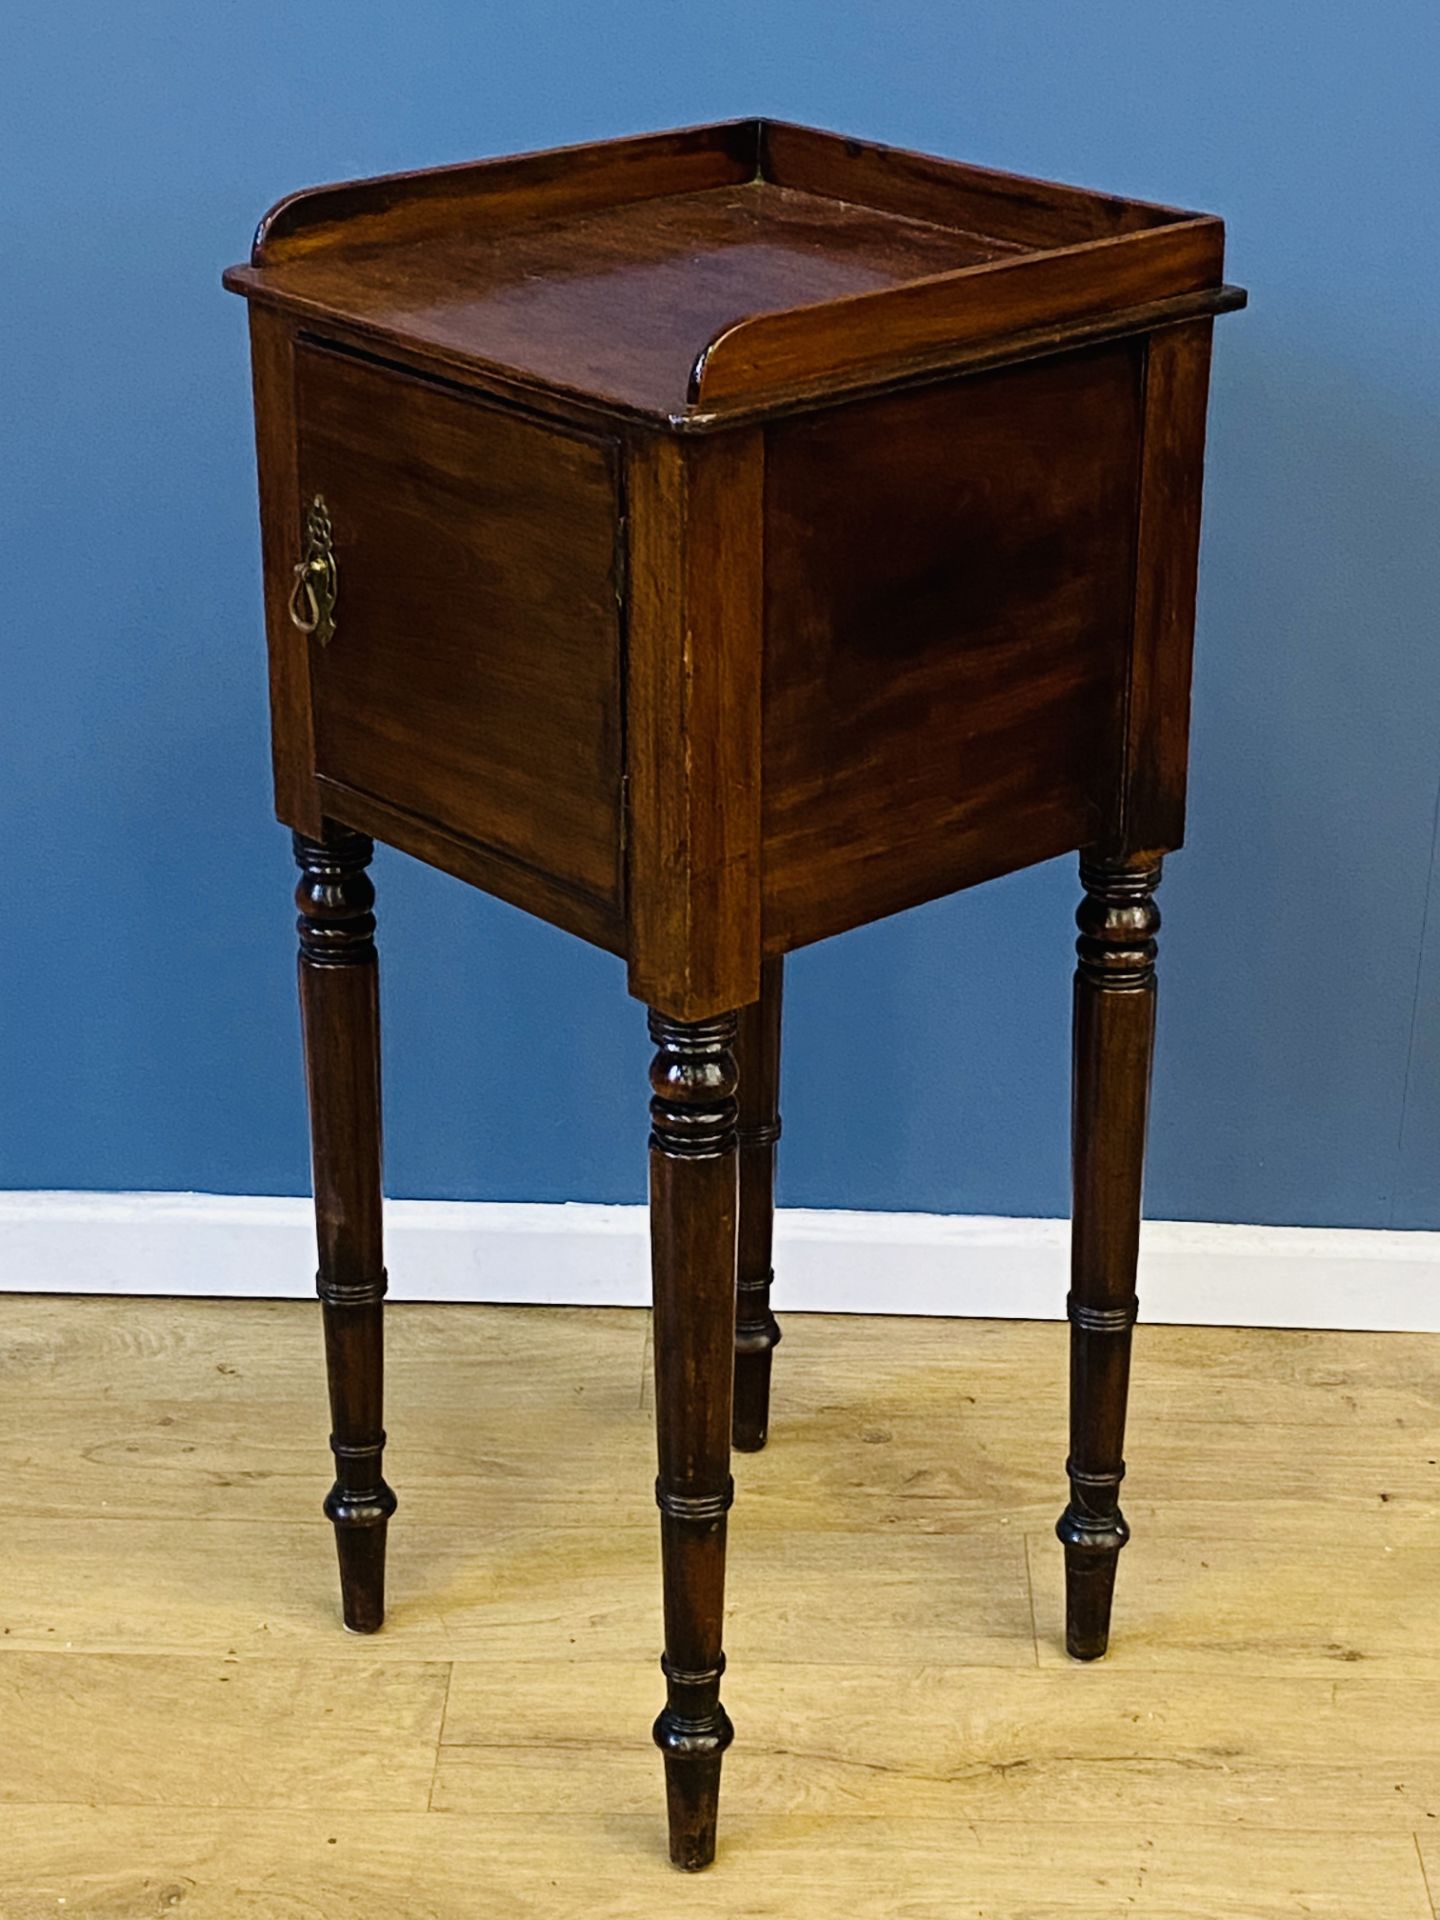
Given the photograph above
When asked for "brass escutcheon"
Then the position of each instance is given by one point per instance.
(312, 598)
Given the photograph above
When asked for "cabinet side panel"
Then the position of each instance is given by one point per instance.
(949, 581)
(1172, 462)
(292, 735)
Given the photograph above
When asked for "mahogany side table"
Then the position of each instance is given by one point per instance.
(710, 542)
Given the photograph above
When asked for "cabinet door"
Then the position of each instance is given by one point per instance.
(473, 676)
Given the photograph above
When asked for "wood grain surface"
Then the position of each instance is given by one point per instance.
(948, 582)
(473, 681)
(188, 1731)
(683, 276)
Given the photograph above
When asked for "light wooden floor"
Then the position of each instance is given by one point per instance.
(185, 1729)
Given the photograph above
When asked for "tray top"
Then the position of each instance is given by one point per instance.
(705, 275)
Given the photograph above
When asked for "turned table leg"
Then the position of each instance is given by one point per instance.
(757, 1333)
(339, 1010)
(1113, 1040)
(693, 1206)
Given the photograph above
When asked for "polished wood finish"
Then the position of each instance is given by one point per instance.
(480, 866)
(757, 1332)
(728, 537)
(828, 264)
(949, 577)
(474, 676)
(1014, 211)
(1042, 255)
(292, 734)
(561, 182)
(693, 1209)
(1157, 708)
(652, 685)
(340, 1017)
(1113, 1042)
(693, 816)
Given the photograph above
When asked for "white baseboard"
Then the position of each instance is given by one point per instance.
(905, 1263)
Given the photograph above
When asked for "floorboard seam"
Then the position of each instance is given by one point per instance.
(440, 1738)
(1425, 1877)
(1030, 1592)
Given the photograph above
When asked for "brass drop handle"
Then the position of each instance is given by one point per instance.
(312, 598)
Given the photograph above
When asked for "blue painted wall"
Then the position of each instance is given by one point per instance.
(147, 1035)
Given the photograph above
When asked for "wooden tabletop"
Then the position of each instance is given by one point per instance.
(704, 274)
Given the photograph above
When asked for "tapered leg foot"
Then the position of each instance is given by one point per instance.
(340, 1018)
(757, 1332)
(692, 1752)
(1114, 1038)
(1090, 1564)
(752, 1390)
(693, 1208)
(361, 1551)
